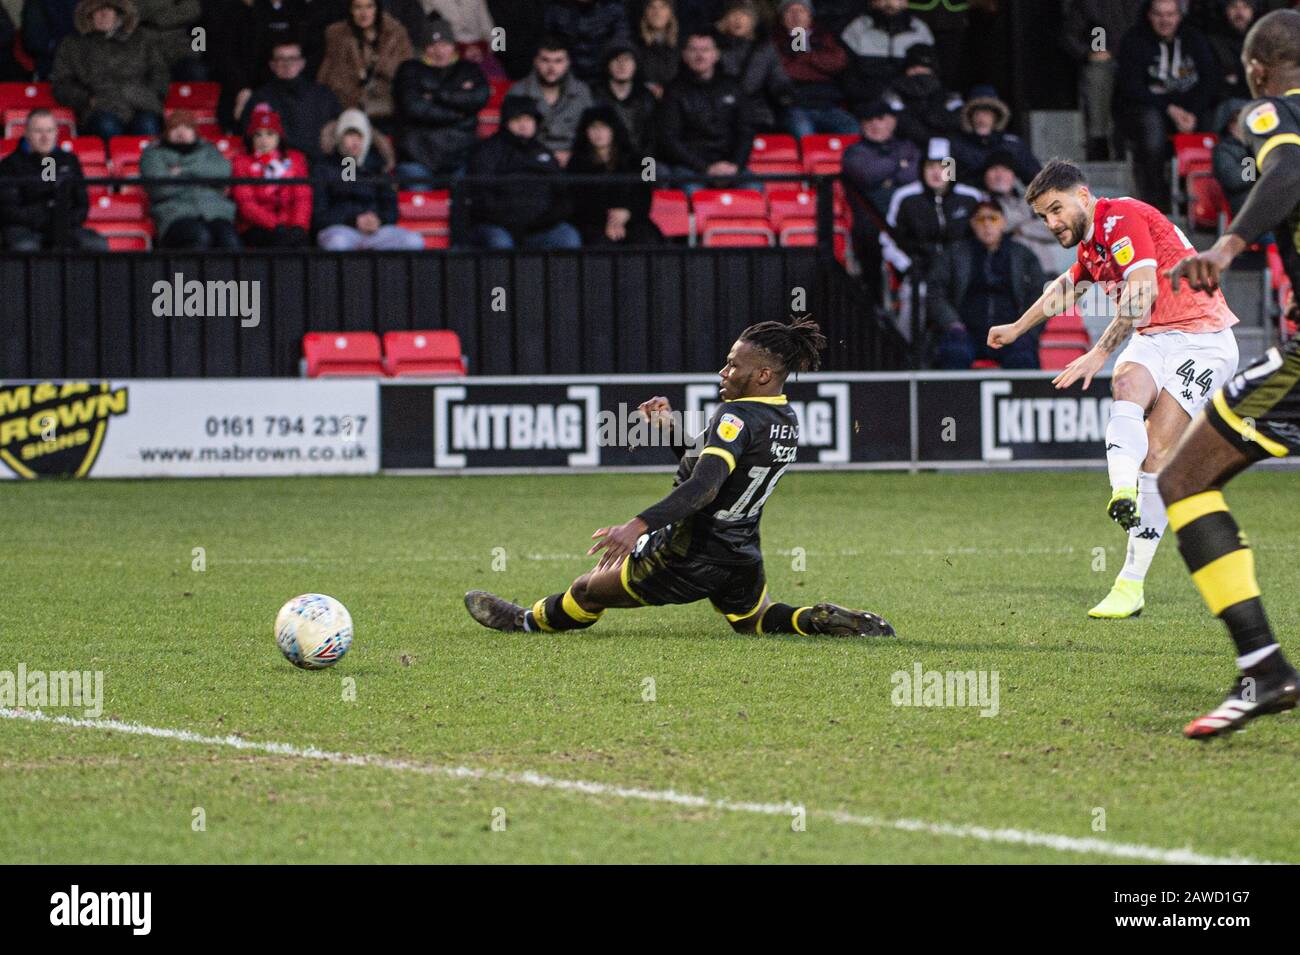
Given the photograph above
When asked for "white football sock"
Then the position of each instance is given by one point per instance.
(1145, 538)
(1126, 443)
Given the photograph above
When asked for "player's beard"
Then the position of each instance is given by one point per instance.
(1078, 228)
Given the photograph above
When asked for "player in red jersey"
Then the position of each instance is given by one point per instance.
(1184, 349)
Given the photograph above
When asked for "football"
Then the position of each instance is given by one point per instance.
(313, 631)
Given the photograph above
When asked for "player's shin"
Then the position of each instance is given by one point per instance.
(559, 612)
(1144, 539)
(1223, 569)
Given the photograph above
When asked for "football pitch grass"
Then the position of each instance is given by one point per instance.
(458, 730)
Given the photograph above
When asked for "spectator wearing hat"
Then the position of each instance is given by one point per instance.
(362, 54)
(586, 28)
(354, 205)
(753, 62)
(657, 36)
(188, 215)
(506, 215)
(1230, 155)
(1091, 35)
(437, 98)
(31, 214)
(1227, 36)
(878, 41)
(998, 180)
(873, 168)
(307, 107)
(925, 109)
(704, 124)
(110, 73)
(984, 119)
(623, 90)
(1165, 84)
(927, 217)
(615, 213)
(988, 279)
(561, 97)
(472, 25)
(271, 215)
(814, 59)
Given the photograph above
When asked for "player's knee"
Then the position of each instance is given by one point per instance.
(579, 589)
(1174, 486)
(1127, 388)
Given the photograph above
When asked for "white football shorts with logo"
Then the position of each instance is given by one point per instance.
(1191, 366)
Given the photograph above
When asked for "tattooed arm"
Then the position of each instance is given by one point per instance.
(1136, 299)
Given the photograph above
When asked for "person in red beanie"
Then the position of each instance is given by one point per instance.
(271, 215)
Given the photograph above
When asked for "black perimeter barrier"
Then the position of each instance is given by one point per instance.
(665, 308)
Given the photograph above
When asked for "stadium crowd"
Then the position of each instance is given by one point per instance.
(394, 90)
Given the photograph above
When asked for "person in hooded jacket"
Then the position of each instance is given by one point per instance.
(984, 119)
(878, 41)
(623, 90)
(33, 216)
(752, 61)
(307, 108)
(617, 213)
(657, 36)
(927, 217)
(925, 109)
(1166, 83)
(362, 54)
(189, 215)
(505, 214)
(109, 73)
(271, 215)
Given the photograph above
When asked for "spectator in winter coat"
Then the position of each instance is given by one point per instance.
(617, 213)
(878, 41)
(704, 127)
(1230, 153)
(1227, 37)
(362, 54)
(31, 216)
(508, 215)
(167, 25)
(189, 215)
(752, 61)
(929, 216)
(109, 73)
(656, 41)
(1165, 84)
(472, 26)
(271, 215)
(814, 60)
(1091, 36)
(988, 279)
(622, 89)
(586, 28)
(438, 97)
(984, 120)
(356, 211)
(925, 109)
(999, 181)
(44, 24)
(561, 97)
(308, 108)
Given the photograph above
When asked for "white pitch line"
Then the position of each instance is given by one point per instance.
(1047, 840)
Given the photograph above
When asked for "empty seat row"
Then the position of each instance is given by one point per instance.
(398, 354)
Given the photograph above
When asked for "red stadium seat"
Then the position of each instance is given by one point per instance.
(124, 220)
(824, 152)
(15, 119)
(1209, 204)
(90, 152)
(1070, 322)
(428, 213)
(26, 95)
(8, 145)
(980, 364)
(732, 217)
(775, 153)
(124, 154)
(489, 121)
(794, 216)
(423, 353)
(1192, 148)
(341, 353)
(670, 210)
(199, 98)
(499, 90)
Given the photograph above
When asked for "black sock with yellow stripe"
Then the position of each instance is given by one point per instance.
(782, 618)
(1222, 567)
(559, 612)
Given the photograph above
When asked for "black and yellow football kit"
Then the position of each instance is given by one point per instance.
(715, 552)
(1259, 409)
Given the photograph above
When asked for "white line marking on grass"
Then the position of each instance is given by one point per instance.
(1047, 840)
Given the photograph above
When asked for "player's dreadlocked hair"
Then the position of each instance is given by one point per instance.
(1274, 40)
(797, 345)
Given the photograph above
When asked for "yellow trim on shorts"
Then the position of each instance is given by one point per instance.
(1181, 513)
(794, 621)
(1228, 580)
(622, 576)
(1281, 139)
(736, 617)
(1234, 421)
(539, 615)
(724, 454)
(575, 610)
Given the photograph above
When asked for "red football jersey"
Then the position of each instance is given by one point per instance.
(1125, 235)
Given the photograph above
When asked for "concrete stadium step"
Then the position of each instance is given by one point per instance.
(1056, 133)
(1252, 343)
(1109, 178)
